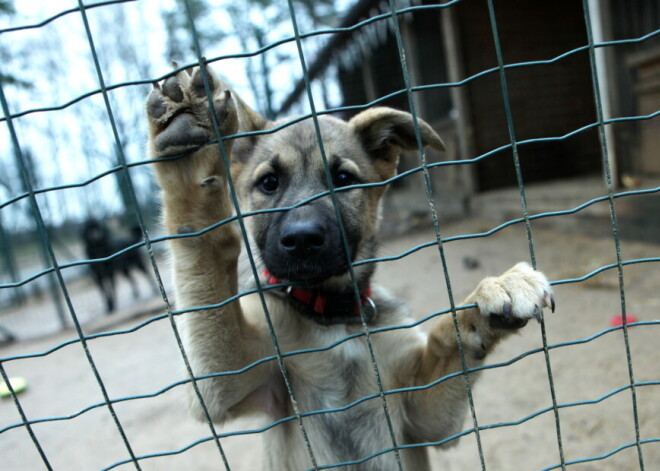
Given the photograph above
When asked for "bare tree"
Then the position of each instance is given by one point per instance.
(122, 61)
(252, 23)
(7, 8)
(180, 45)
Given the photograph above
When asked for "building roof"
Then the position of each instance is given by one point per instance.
(337, 41)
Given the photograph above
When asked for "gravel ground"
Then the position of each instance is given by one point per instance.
(147, 360)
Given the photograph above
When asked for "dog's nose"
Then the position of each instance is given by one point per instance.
(303, 238)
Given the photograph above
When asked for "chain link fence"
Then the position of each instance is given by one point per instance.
(58, 278)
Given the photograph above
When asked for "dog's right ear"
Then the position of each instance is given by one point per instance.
(384, 132)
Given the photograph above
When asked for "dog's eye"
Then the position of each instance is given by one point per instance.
(344, 178)
(269, 183)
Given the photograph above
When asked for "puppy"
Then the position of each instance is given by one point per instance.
(329, 408)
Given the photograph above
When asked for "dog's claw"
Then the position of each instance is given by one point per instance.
(538, 314)
(172, 89)
(549, 300)
(507, 309)
(545, 299)
(480, 353)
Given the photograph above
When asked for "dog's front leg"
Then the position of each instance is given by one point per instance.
(195, 197)
(504, 304)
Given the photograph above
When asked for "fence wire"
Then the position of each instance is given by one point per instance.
(123, 168)
(525, 212)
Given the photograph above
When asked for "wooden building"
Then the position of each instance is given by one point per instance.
(453, 68)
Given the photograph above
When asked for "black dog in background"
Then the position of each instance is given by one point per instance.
(99, 243)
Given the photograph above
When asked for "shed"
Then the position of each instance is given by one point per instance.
(453, 68)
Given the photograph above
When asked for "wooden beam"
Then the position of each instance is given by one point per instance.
(459, 97)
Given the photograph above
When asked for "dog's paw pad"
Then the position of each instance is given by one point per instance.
(156, 106)
(180, 114)
(172, 89)
(510, 300)
(198, 84)
(181, 132)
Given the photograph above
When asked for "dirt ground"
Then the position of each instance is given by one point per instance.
(147, 361)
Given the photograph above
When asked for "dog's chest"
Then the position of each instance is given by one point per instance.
(339, 389)
(335, 373)
(336, 367)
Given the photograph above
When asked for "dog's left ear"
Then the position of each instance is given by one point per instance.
(384, 132)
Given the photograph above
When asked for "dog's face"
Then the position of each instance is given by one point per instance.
(304, 243)
(94, 232)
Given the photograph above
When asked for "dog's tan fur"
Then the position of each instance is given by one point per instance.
(195, 196)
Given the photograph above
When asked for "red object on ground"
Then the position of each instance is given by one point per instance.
(617, 320)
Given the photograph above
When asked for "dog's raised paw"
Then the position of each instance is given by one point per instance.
(178, 111)
(510, 300)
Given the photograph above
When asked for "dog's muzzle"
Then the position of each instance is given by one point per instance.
(305, 246)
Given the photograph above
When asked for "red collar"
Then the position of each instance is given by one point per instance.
(327, 307)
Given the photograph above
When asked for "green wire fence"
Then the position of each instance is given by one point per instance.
(424, 166)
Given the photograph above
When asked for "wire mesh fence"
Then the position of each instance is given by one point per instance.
(120, 410)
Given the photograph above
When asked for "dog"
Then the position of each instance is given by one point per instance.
(100, 244)
(314, 293)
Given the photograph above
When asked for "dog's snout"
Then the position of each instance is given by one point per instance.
(303, 238)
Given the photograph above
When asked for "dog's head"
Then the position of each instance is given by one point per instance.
(304, 243)
(94, 232)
